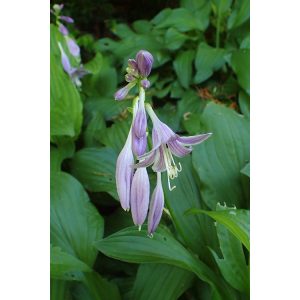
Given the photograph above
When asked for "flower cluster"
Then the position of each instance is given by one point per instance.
(75, 73)
(132, 179)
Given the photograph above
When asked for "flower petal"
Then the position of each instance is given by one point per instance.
(178, 149)
(159, 161)
(193, 140)
(139, 144)
(146, 160)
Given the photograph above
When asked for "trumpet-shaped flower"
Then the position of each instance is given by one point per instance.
(156, 206)
(124, 174)
(144, 60)
(167, 143)
(140, 192)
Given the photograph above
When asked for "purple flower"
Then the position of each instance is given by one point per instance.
(124, 174)
(144, 60)
(122, 92)
(156, 206)
(63, 29)
(73, 47)
(145, 83)
(140, 192)
(66, 19)
(165, 144)
(65, 60)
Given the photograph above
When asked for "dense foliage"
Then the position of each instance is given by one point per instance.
(199, 83)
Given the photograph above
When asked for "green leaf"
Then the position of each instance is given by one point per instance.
(240, 14)
(168, 283)
(218, 160)
(93, 131)
(75, 222)
(174, 39)
(222, 6)
(65, 266)
(208, 60)
(237, 221)
(135, 246)
(244, 103)
(246, 170)
(95, 169)
(240, 63)
(184, 196)
(60, 290)
(65, 102)
(233, 264)
(183, 67)
(94, 65)
(183, 20)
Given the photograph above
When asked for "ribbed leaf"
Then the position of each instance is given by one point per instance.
(135, 246)
(246, 170)
(240, 14)
(218, 160)
(208, 60)
(183, 67)
(237, 221)
(60, 290)
(160, 282)
(75, 222)
(174, 39)
(65, 266)
(95, 169)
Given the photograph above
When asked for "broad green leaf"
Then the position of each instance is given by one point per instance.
(240, 14)
(160, 282)
(245, 44)
(218, 160)
(193, 5)
(183, 20)
(142, 26)
(222, 6)
(92, 133)
(65, 102)
(233, 264)
(75, 222)
(246, 170)
(60, 290)
(174, 39)
(240, 63)
(95, 64)
(95, 169)
(65, 266)
(208, 60)
(116, 135)
(135, 246)
(196, 232)
(244, 103)
(183, 67)
(237, 221)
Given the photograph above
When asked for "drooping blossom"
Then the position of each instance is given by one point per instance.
(73, 47)
(156, 206)
(139, 196)
(167, 143)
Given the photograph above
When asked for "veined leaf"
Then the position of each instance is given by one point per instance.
(218, 160)
(160, 282)
(95, 169)
(240, 14)
(60, 290)
(75, 222)
(135, 246)
(65, 266)
(246, 170)
(237, 221)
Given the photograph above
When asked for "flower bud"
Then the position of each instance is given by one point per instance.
(139, 144)
(121, 93)
(145, 83)
(129, 77)
(156, 206)
(124, 173)
(140, 192)
(66, 19)
(58, 7)
(73, 47)
(65, 60)
(63, 29)
(144, 61)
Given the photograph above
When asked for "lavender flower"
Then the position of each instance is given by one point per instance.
(139, 136)
(66, 19)
(145, 83)
(140, 192)
(122, 93)
(124, 174)
(63, 29)
(156, 206)
(165, 144)
(144, 60)
(73, 47)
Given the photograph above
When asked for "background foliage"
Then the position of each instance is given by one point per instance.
(200, 83)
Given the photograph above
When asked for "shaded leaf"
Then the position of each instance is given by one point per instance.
(95, 169)
(174, 39)
(240, 14)
(59, 290)
(246, 170)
